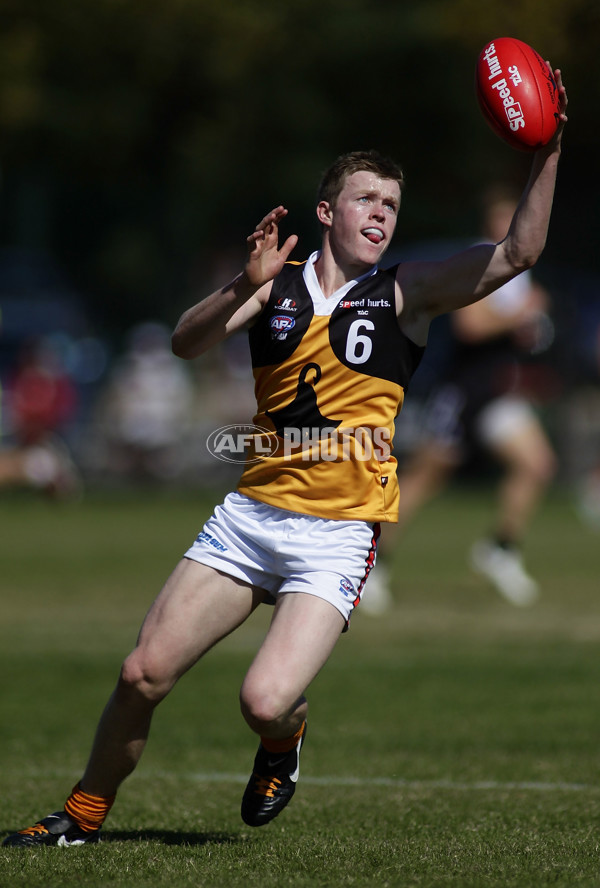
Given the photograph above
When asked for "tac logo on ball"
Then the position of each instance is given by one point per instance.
(517, 93)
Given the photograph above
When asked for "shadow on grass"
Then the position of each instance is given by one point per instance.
(172, 837)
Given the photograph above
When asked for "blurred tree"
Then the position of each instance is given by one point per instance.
(141, 138)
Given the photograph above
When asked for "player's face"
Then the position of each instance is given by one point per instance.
(363, 219)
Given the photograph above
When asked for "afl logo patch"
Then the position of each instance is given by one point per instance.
(346, 587)
(281, 326)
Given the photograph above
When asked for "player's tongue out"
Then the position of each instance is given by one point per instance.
(373, 234)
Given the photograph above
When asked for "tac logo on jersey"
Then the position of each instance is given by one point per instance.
(281, 325)
(284, 303)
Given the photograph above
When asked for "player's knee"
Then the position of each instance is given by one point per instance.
(544, 468)
(550, 468)
(142, 679)
(262, 707)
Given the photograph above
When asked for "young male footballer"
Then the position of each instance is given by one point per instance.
(334, 341)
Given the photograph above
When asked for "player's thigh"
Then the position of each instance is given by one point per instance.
(509, 427)
(301, 637)
(527, 449)
(197, 607)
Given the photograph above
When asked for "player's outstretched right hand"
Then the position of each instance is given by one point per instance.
(265, 258)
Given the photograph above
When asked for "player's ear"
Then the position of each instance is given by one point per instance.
(324, 213)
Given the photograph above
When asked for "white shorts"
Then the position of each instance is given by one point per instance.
(503, 418)
(283, 551)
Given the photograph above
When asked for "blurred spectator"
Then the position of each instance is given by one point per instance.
(146, 411)
(588, 497)
(39, 399)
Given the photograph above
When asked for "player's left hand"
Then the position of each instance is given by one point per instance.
(563, 101)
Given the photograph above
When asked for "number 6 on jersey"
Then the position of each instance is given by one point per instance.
(359, 346)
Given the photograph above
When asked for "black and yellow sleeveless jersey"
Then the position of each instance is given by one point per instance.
(330, 376)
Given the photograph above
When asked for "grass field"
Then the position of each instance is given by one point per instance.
(452, 743)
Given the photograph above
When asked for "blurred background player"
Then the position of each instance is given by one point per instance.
(481, 402)
(144, 417)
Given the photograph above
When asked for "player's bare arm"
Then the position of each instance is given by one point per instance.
(426, 289)
(233, 306)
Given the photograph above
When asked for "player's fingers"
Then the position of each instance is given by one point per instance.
(272, 218)
(563, 98)
(288, 246)
(558, 79)
(253, 240)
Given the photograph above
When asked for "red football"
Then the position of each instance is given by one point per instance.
(517, 93)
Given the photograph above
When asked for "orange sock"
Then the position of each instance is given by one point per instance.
(285, 745)
(88, 811)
